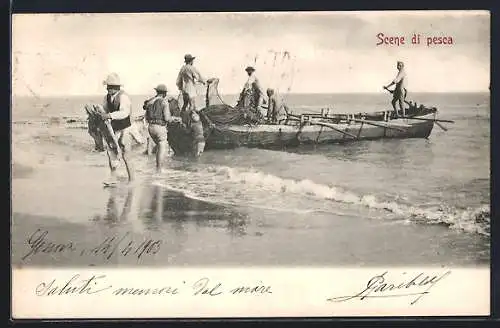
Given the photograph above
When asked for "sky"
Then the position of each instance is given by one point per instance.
(299, 52)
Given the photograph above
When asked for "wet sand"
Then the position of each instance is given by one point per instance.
(381, 203)
(60, 219)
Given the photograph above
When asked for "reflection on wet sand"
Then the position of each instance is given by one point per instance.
(173, 208)
(112, 213)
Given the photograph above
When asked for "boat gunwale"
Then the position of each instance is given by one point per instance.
(400, 123)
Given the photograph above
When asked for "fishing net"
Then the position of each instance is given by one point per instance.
(98, 129)
(220, 113)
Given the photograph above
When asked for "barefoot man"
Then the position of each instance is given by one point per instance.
(157, 116)
(117, 108)
(186, 82)
(399, 92)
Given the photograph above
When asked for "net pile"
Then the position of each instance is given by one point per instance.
(97, 127)
(221, 113)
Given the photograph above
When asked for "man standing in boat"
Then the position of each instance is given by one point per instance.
(186, 82)
(157, 116)
(399, 92)
(117, 108)
(275, 110)
(252, 92)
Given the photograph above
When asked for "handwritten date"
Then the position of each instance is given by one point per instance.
(121, 245)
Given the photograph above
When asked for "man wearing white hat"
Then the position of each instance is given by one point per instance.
(186, 81)
(118, 107)
(157, 116)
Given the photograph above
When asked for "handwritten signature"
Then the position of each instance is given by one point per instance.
(123, 245)
(379, 286)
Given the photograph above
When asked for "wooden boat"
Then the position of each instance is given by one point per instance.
(306, 128)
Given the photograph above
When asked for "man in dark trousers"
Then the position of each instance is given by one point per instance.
(399, 92)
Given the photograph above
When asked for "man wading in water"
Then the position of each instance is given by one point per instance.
(399, 93)
(197, 135)
(117, 108)
(157, 116)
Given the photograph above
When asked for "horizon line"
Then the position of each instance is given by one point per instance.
(232, 94)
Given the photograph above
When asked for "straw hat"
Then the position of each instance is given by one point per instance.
(112, 79)
(161, 88)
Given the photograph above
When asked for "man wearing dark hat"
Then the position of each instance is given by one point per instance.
(157, 115)
(117, 108)
(399, 92)
(186, 82)
(252, 92)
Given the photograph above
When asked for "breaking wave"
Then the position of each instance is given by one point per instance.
(472, 220)
(208, 199)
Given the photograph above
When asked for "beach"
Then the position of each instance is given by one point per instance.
(408, 202)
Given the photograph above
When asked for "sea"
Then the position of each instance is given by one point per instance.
(409, 202)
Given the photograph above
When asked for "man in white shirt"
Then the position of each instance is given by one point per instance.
(186, 82)
(252, 94)
(117, 108)
(275, 109)
(399, 92)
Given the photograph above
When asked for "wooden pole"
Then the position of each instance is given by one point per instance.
(95, 111)
(334, 128)
(380, 124)
(328, 126)
(427, 119)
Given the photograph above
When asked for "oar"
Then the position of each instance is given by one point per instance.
(441, 126)
(392, 91)
(380, 124)
(427, 119)
(328, 126)
(334, 128)
(431, 119)
(314, 115)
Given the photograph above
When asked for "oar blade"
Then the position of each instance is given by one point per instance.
(441, 126)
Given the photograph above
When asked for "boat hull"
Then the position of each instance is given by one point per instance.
(284, 136)
(270, 136)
